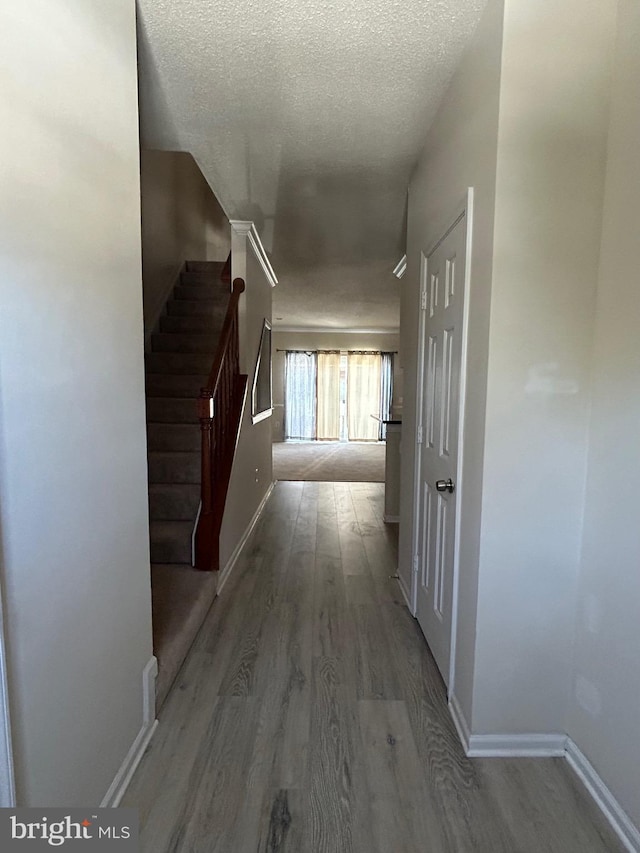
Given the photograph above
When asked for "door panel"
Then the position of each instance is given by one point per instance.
(447, 369)
(443, 278)
(431, 390)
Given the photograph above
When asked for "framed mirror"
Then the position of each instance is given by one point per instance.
(261, 393)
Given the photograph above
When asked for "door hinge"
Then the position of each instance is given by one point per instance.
(423, 300)
(420, 435)
(416, 563)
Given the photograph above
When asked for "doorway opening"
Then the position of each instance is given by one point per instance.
(335, 405)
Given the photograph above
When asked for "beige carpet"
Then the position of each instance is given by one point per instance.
(181, 598)
(329, 462)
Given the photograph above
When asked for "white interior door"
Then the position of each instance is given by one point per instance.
(443, 278)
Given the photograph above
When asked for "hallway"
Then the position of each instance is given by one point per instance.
(309, 716)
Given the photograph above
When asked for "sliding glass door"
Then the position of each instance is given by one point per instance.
(319, 386)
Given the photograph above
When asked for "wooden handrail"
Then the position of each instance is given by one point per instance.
(219, 412)
(225, 336)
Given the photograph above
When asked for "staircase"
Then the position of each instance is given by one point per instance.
(176, 369)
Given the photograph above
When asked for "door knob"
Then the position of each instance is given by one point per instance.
(445, 485)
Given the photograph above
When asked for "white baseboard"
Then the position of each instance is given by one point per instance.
(545, 746)
(505, 746)
(225, 573)
(7, 773)
(128, 767)
(405, 592)
(193, 535)
(460, 722)
(149, 676)
(517, 746)
(609, 806)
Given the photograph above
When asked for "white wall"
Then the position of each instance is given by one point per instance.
(524, 122)
(252, 473)
(605, 689)
(460, 152)
(314, 340)
(74, 528)
(550, 177)
(181, 221)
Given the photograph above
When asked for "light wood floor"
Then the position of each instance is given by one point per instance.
(310, 717)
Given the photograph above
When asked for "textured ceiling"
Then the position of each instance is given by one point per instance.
(306, 116)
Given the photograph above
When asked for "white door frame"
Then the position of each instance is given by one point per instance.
(464, 209)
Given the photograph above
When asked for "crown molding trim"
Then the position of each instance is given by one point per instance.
(247, 229)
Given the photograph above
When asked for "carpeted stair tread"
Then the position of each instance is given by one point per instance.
(167, 466)
(178, 362)
(173, 437)
(197, 292)
(170, 541)
(213, 267)
(181, 598)
(197, 278)
(196, 307)
(171, 410)
(173, 501)
(175, 384)
(176, 342)
(199, 323)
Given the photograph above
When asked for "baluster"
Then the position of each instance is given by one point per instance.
(234, 344)
(216, 442)
(204, 415)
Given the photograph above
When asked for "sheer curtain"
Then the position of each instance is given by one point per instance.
(386, 391)
(363, 395)
(328, 415)
(300, 396)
